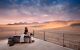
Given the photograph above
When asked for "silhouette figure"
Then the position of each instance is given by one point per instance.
(26, 30)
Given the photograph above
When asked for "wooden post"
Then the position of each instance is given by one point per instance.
(63, 40)
(33, 33)
(44, 37)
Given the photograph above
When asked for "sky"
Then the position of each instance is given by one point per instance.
(12, 11)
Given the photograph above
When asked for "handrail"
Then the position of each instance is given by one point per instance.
(70, 43)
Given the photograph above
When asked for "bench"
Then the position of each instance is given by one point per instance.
(16, 39)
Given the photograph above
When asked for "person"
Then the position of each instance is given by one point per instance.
(26, 30)
(22, 36)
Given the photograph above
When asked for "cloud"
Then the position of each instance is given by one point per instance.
(39, 10)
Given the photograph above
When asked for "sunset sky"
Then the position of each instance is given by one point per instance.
(38, 10)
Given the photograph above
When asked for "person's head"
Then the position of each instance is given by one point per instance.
(26, 28)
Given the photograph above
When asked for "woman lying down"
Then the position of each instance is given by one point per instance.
(26, 37)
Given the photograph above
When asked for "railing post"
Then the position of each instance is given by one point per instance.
(33, 33)
(63, 40)
(44, 37)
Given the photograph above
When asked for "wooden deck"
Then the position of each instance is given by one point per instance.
(37, 45)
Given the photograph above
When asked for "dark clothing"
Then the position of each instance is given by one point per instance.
(26, 30)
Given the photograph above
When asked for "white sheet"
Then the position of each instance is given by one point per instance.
(22, 38)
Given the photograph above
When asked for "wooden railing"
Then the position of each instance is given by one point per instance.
(62, 39)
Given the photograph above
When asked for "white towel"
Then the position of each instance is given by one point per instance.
(22, 38)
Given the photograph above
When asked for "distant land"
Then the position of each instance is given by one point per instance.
(51, 24)
(22, 23)
(58, 21)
